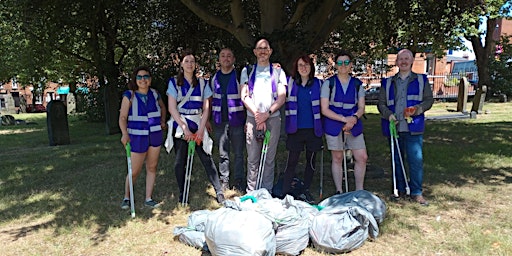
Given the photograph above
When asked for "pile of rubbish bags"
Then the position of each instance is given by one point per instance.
(257, 224)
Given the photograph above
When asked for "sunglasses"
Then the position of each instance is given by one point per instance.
(340, 62)
(145, 77)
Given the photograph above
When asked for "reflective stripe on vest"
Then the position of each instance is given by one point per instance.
(144, 118)
(194, 104)
(345, 104)
(415, 90)
(292, 106)
(236, 111)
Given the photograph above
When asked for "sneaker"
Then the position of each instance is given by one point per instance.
(151, 203)
(307, 197)
(125, 205)
(419, 199)
(220, 198)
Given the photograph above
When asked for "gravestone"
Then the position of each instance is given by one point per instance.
(71, 103)
(478, 101)
(57, 121)
(462, 98)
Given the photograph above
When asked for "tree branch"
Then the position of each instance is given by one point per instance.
(240, 32)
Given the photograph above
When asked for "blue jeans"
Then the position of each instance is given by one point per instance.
(411, 148)
(227, 136)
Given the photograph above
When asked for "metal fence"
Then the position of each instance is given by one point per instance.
(444, 86)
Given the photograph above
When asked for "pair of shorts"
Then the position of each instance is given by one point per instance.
(336, 142)
(304, 137)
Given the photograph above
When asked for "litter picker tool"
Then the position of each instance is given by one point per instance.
(188, 172)
(394, 140)
(263, 157)
(345, 171)
(130, 179)
(321, 173)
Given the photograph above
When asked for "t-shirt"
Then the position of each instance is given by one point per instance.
(304, 107)
(171, 90)
(223, 81)
(262, 93)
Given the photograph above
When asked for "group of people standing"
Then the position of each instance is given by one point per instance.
(245, 115)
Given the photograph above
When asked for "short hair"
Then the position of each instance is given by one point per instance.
(343, 53)
(405, 51)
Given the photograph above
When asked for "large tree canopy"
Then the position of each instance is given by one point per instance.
(62, 39)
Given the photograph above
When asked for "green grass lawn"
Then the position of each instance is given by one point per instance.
(64, 200)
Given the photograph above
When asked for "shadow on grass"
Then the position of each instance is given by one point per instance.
(81, 184)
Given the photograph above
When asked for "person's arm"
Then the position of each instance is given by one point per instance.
(428, 97)
(246, 99)
(163, 113)
(123, 120)
(382, 105)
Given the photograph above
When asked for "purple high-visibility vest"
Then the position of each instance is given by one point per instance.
(292, 107)
(274, 77)
(144, 121)
(194, 104)
(414, 97)
(236, 113)
(343, 103)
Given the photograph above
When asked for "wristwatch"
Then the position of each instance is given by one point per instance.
(354, 115)
(269, 112)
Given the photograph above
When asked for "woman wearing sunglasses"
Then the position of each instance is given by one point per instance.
(342, 102)
(142, 120)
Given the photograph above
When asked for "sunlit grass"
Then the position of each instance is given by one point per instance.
(64, 200)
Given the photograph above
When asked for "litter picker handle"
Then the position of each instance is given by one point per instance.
(267, 137)
(191, 147)
(392, 130)
(128, 149)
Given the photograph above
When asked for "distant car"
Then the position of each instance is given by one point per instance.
(372, 95)
(37, 108)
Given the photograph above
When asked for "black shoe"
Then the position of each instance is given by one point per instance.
(125, 205)
(307, 197)
(220, 198)
(401, 196)
(240, 186)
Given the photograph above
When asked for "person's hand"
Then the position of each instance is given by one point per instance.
(163, 124)
(209, 127)
(125, 138)
(408, 112)
(187, 134)
(262, 126)
(392, 119)
(347, 127)
(261, 117)
(199, 135)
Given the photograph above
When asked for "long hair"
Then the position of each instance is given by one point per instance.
(132, 84)
(181, 76)
(296, 74)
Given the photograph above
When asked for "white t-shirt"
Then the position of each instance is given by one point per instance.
(262, 93)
